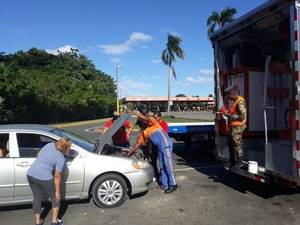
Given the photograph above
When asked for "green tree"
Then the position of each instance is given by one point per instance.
(39, 87)
(217, 20)
(180, 95)
(168, 57)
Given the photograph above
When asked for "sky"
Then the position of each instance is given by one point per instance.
(131, 33)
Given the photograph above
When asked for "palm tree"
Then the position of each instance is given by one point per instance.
(168, 57)
(219, 20)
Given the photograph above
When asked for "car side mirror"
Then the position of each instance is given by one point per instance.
(72, 154)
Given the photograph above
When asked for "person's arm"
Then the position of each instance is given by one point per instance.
(57, 183)
(1, 152)
(104, 130)
(130, 128)
(105, 127)
(58, 176)
(141, 116)
(242, 115)
(139, 141)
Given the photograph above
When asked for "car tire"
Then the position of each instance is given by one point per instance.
(109, 191)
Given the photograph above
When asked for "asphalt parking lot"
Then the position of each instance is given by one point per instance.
(207, 194)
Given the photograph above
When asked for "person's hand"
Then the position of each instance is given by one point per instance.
(57, 196)
(131, 152)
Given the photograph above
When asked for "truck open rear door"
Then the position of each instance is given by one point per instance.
(258, 53)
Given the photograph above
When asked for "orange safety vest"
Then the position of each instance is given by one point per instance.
(234, 110)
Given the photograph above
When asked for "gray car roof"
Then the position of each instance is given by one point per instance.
(38, 127)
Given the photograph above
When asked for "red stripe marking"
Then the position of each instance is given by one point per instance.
(295, 104)
(297, 125)
(296, 75)
(296, 55)
(298, 145)
(298, 164)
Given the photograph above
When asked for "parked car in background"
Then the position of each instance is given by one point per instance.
(92, 170)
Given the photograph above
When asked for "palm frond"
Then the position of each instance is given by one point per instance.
(227, 15)
(213, 18)
(173, 72)
(173, 46)
(164, 57)
(171, 56)
(211, 29)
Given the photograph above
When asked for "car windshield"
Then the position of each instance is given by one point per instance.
(81, 142)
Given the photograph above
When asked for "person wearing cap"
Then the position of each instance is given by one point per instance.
(121, 137)
(237, 116)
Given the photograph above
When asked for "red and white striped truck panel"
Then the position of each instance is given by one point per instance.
(295, 45)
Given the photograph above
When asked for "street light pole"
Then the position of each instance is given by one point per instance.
(117, 79)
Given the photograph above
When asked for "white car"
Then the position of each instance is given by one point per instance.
(92, 170)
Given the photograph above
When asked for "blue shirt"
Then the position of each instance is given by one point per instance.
(48, 160)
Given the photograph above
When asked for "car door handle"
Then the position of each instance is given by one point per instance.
(23, 164)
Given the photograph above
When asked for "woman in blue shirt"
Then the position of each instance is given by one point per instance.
(44, 177)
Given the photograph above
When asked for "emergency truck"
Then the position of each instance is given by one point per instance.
(258, 53)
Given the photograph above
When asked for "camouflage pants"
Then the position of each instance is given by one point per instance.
(236, 142)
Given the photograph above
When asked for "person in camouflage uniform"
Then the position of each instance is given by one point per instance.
(237, 116)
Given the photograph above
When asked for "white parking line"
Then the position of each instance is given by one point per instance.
(92, 129)
(200, 167)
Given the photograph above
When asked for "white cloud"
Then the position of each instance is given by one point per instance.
(66, 48)
(206, 72)
(139, 37)
(18, 30)
(154, 61)
(116, 61)
(204, 76)
(120, 48)
(198, 80)
(132, 87)
(116, 49)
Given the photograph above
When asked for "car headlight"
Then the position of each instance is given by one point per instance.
(140, 164)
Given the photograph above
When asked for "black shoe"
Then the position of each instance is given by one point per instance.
(171, 189)
(238, 164)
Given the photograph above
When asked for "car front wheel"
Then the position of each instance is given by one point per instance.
(109, 191)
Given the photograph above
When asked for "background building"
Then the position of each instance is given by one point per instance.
(160, 103)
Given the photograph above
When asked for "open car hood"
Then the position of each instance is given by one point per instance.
(106, 137)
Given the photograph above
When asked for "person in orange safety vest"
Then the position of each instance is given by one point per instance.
(237, 116)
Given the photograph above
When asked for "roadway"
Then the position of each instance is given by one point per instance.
(207, 194)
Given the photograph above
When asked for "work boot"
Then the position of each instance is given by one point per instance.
(171, 189)
(238, 163)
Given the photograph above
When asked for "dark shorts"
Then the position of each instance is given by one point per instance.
(42, 189)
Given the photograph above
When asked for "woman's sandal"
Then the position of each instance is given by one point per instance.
(41, 222)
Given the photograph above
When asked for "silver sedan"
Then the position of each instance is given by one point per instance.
(92, 170)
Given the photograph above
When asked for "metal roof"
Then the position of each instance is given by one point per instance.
(249, 17)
